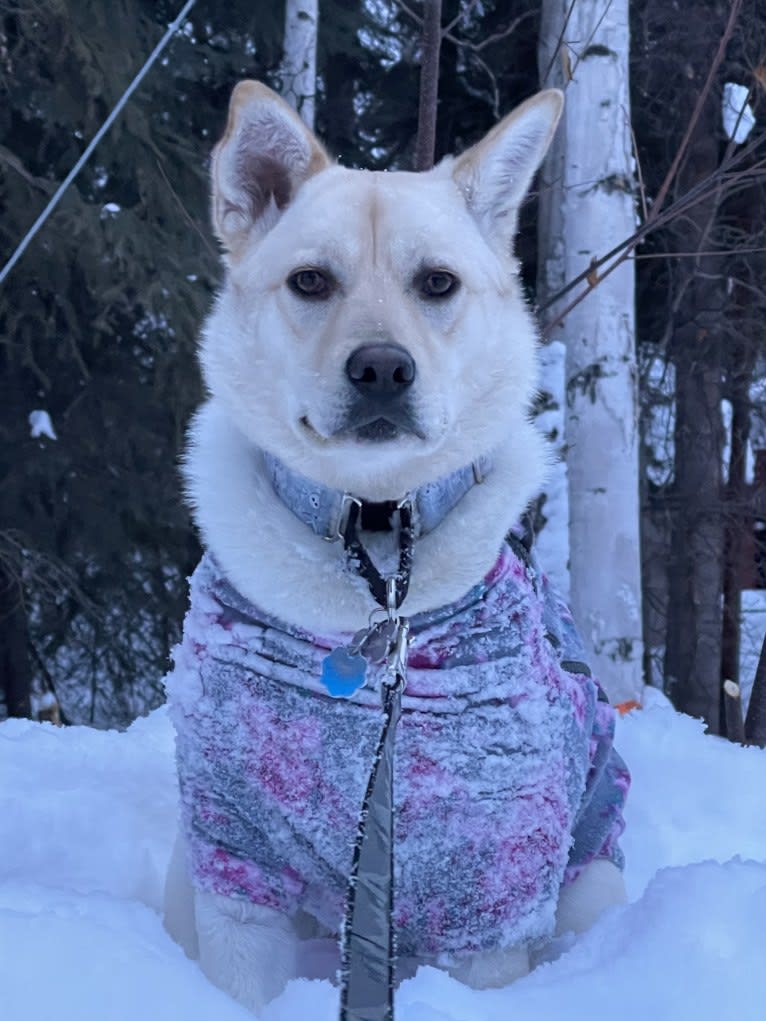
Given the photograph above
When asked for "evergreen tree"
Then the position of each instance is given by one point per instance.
(100, 316)
(99, 320)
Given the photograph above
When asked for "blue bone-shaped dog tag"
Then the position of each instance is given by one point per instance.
(343, 672)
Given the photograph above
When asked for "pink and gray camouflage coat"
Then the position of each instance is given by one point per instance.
(506, 779)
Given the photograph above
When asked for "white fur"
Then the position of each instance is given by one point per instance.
(179, 917)
(599, 886)
(300, 578)
(274, 364)
(248, 950)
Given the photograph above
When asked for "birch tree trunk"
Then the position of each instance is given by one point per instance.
(588, 205)
(300, 57)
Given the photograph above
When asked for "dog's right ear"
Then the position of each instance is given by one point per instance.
(266, 153)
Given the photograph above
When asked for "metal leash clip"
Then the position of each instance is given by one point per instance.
(396, 662)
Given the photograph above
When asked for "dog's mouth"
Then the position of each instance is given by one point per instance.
(370, 428)
(378, 431)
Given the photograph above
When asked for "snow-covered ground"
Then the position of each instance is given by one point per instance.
(86, 822)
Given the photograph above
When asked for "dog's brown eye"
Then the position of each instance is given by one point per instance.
(438, 284)
(311, 283)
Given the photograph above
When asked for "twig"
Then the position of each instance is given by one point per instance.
(623, 250)
(464, 12)
(697, 112)
(639, 173)
(559, 42)
(656, 217)
(184, 211)
(640, 256)
(408, 10)
(12, 160)
(589, 40)
(495, 38)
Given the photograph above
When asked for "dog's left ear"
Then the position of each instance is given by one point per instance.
(495, 174)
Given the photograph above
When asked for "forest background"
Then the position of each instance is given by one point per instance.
(99, 319)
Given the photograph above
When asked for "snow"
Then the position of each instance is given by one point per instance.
(40, 425)
(87, 819)
(738, 116)
(660, 384)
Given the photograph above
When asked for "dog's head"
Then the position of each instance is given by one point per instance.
(371, 331)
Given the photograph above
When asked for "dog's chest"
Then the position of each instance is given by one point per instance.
(490, 765)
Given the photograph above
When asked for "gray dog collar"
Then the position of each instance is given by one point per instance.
(325, 510)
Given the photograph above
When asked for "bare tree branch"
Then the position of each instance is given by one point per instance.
(736, 6)
(12, 160)
(559, 42)
(723, 178)
(657, 217)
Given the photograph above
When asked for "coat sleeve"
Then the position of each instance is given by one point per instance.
(599, 821)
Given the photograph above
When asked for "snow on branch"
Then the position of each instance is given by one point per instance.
(738, 116)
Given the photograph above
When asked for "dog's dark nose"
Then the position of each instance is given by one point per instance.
(381, 370)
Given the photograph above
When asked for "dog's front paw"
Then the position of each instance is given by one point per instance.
(491, 969)
(247, 950)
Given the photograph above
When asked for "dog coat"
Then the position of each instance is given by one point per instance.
(506, 780)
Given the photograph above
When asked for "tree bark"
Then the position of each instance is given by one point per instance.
(429, 84)
(588, 204)
(739, 519)
(695, 579)
(300, 57)
(15, 666)
(693, 642)
(755, 722)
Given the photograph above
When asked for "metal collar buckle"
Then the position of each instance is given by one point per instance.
(346, 503)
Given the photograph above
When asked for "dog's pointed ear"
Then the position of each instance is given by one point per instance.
(265, 155)
(495, 174)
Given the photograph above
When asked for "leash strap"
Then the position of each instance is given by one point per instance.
(378, 584)
(368, 949)
(367, 959)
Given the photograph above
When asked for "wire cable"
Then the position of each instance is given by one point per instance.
(24, 243)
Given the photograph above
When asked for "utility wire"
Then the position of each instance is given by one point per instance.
(24, 244)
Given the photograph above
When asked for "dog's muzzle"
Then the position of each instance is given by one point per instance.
(381, 376)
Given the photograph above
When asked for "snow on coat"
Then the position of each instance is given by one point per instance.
(506, 780)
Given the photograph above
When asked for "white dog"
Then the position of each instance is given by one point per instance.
(370, 344)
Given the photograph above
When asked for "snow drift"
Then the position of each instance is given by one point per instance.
(87, 820)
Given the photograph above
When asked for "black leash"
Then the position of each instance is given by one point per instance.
(368, 940)
(401, 521)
